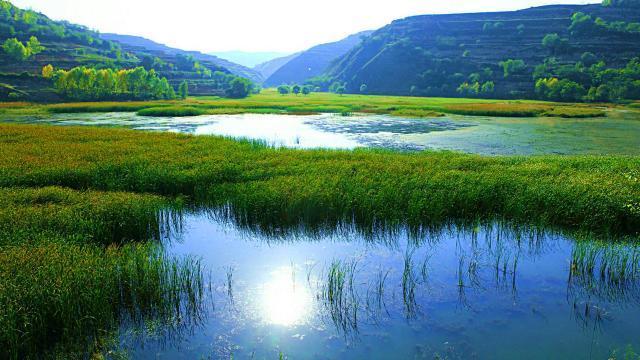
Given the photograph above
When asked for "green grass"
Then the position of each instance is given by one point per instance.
(72, 267)
(269, 101)
(173, 111)
(600, 193)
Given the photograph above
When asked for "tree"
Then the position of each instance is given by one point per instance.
(306, 90)
(283, 89)
(363, 88)
(239, 88)
(34, 47)
(183, 90)
(341, 90)
(581, 23)
(47, 71)
(15, 49)
(488, 88)
(296, 89)
(89, 84)
(588, 58)
(512, 67)
(555, 43)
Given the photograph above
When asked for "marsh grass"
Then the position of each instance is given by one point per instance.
(172, 111)
(368, 187)
(73, 267)
(57, 293)
(339, 296)
(269, 101)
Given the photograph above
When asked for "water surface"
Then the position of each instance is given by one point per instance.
(617, 134)
(480, 292)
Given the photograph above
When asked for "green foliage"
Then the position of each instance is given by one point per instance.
(621, 3)
(559, 90)
(295, 89)
(172, 111)
(366, 186)
(86, 84)
(307, 89)
(284, 89)
(588, 58)
(513, 67)
(467, 89)
(183, 90)
(582, 24)
(34, 46)
(555, 43)
(488, 88)
(603, 84)
(15, 49)
(240, 88)
(47, 71)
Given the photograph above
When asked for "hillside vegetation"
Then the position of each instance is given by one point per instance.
(560, 52)
(313, 62)
(31, 42)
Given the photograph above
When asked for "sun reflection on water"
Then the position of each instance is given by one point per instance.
(285, 301)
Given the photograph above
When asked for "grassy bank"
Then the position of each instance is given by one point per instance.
(269, 101)
(74, 264)
(578, 192)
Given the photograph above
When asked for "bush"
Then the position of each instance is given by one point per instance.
(512, 67)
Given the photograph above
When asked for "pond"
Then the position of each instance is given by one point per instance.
(617, 134)
(486, 291)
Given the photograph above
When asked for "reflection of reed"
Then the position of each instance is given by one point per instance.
(608, 272)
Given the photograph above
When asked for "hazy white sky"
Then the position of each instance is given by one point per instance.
(253, 25)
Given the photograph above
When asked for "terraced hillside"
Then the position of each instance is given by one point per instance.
(140, 44)
(66, 46)
(438, 54)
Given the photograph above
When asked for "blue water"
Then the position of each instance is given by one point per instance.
(485, 292)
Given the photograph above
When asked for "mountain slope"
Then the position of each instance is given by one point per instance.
(435, 55)
(267, 68)
(140, 44)
(249, 59)
(66, 46)
(313, 62)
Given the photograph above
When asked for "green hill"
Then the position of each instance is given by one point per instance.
(67, 46)
(267, 68)
(313, 62)
(572, 52)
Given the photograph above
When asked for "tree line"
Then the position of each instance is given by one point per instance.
(89, 84)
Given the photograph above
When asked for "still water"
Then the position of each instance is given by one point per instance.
(619, 133)
(476, 292)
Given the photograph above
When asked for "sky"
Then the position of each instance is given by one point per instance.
(254, 25)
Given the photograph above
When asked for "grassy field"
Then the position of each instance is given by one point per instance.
(269, 101)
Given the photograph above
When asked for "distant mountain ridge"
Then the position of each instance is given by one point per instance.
(267, 68)
(314, 61)
(138, 43)
(249, 59)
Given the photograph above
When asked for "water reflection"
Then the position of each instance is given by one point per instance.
(484, 290)
(285, 301)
